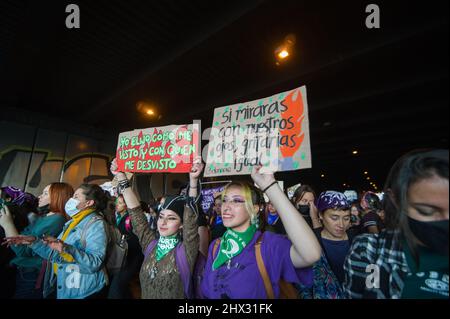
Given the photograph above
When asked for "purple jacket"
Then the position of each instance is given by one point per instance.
(242, 279)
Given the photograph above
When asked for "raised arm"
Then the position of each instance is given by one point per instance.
(138, 220)
(194, 177)
(305, 249)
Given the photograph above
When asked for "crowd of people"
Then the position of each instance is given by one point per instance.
(84, 243)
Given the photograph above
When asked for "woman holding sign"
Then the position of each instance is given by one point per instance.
(170, 252)
(245, 262)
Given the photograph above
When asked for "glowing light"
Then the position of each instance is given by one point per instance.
(283, 54)
(285, 49)
(355, 152)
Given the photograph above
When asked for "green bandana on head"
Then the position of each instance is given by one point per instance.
(165, 245)
(232, 244)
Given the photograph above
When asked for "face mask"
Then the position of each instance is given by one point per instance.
(434, 235)
(303, 209)
(71, 207)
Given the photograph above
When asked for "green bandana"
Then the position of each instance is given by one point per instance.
(232, 244)
(119, 217)
(165, 245)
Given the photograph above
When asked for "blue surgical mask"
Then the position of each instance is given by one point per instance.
(71, 207)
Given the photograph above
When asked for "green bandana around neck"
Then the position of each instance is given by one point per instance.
(165, 245)
(232, 244)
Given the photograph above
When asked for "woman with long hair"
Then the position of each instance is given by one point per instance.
(409, 259)
(30, 267)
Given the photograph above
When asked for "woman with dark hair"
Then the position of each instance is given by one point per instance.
(334, 212)
(30, 267)
(171, 251)
(215, 222)
(410, 258)
(371, 206)
(76, 259)
(355, 219)
(120, 283)
(303, 199)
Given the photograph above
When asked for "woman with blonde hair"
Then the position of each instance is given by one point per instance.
(245, 262)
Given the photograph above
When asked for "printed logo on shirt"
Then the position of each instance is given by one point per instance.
(234, 248)
(434, 284)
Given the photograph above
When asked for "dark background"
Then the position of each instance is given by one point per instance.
(380, 91)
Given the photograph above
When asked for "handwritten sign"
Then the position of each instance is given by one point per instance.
(272, 132)
(208, 197)
(161, 149)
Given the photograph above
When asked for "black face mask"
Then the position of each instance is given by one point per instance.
(434, 235)
(303, 209)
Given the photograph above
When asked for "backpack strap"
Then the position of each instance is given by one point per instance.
(149, 248)
(216, 246)
(184, 269)
(262, 268)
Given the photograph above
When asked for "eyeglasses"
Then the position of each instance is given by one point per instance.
(234, 201)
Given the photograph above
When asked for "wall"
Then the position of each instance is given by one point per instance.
(36, 150)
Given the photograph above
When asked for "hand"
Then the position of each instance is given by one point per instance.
(262, 179)
(196, 170)
(114, 167)
(115, 172)
(6, 218)
(54, 243)
(19, 240)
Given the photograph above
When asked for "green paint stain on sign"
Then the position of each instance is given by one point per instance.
(303, 156)
(281, 96)
(216, 123)
(227, 109)
(296, 165)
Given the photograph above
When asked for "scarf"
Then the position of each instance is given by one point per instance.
(165, 245)
(271, 219)
(76, 219)
(232, 244)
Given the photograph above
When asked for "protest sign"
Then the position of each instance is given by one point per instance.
(161, 149)
(273, 132)
(208, 197)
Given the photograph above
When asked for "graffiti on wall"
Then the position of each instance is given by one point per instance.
(45, 169)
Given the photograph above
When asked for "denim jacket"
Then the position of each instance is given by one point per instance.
(85, 276)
